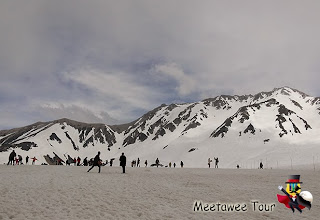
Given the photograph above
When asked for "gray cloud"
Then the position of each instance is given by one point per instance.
(127, 57)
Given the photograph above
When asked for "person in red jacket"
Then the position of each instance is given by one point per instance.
(34, 160)
(78, 160)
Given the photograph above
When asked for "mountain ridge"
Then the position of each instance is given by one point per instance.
(283, 116)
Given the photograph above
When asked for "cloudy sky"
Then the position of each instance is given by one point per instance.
(112, 61)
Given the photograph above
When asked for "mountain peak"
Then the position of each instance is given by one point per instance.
(286, 90)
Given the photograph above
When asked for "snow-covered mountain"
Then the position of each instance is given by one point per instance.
(280, 128)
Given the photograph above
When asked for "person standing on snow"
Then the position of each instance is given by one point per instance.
(123, 161)
(209, 162)
(11, 158)
(216, 162)
(78, 161)
(138, 162)
(34, 160)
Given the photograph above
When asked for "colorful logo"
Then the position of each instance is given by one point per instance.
(294, 198)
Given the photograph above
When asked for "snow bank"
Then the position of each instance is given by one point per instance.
(60, 192)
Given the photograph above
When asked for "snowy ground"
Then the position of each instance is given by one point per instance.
(60, 192)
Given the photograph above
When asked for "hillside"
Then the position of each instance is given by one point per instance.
(279, 128)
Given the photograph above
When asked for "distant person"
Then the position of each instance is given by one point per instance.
(238, 166)
(216, 162)
(261, 165)
(85, 162)
(17, 161)
(157, 162)
(146, 163)
(181, 164)
(170, 164)
(111, 162)
(34, 160)
(78, 161)
(174, 165)
(96, 162)
(27, 159)
(209, 162)
(11, 158)
(123, 162)
(20, 159)
(138, 162)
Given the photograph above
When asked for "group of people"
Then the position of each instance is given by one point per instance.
(98, 162)
(157, 164)
(123, 162)
(15, 159)
(216, 162)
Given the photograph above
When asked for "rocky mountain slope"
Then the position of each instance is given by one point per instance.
(279, 127)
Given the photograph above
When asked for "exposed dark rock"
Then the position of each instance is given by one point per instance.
(192, 149)
(316, 101)
(170, 126)
(217, 102)
(244, 114)
(26, 145)
(281, 120)
(160, 132)
(296, 104)
(88, 141)
(142, 137)
(73, 144)
(53, 137)
(192, 125)
(131, 139)
(172, 106)
(144, 118)
(223, 129)
(177, 121)
(283, 110)
(296, 129)
(266, 140)
(250, 128)
(306, 125)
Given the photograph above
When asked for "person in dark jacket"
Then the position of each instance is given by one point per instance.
(123, 161)
(85, 162)
(11, 158)
(96, 162)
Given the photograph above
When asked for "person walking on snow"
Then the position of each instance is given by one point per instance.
(96, 162)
